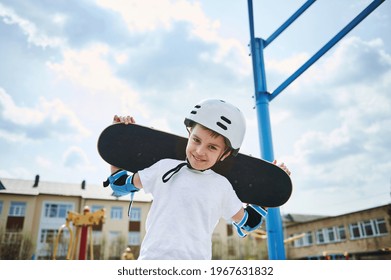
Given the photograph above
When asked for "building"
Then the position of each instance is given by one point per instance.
(364, 234)
(32, 212)
(38, 209)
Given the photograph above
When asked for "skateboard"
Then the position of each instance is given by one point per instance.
(134, 147)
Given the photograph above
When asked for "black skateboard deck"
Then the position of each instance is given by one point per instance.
(133, 147)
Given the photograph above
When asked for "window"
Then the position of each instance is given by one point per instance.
(355, 231)
(16, 215)
(134, 238)
(381, 227)
(97, 237)
(12, 237)
(298, 242)
(56, 210)
(135, 214)
(320, 237)
(134, 227)
(17, 209)
(368, 228)
(116, 244)
(308, 238)
(330, 235)
(116, 213)
(1, 207)
(341, 234)
(48, 235)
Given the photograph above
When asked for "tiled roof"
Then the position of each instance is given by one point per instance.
(300, 218)
(26, 187)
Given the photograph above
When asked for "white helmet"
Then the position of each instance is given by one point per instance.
(221, 117)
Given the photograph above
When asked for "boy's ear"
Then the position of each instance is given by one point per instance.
(226, 154)
(189, 129)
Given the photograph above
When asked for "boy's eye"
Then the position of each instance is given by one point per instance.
(214, 148)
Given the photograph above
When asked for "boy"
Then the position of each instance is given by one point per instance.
(188, 197)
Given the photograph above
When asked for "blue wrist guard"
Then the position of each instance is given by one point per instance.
(121, 183)
(252, 219)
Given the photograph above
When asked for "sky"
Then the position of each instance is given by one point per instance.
(68, 66)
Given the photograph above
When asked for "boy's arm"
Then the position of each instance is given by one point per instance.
(125, 120)
(238, 216)
(249, 219)
(113, 169)
(137, 181)
(122, 180)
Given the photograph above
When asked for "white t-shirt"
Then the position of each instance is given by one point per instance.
(184, 211)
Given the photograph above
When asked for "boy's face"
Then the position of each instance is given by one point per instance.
(203, 150)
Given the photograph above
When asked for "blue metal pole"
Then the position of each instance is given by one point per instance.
(275, 237)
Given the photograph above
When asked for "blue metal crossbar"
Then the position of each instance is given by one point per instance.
(327, 47)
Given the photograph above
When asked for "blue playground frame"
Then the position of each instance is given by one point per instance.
(275, 234)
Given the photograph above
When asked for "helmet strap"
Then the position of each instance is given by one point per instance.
(167, 176)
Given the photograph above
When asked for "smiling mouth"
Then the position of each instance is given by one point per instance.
(198, 159)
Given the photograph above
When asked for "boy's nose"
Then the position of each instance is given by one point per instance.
(201, 150)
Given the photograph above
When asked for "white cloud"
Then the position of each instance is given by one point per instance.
(43, 162)
(148, 16)
(34, 35)
(153, 59)
(90, 69)
(288, 65)
(59, 19)
(353, 61)
(93, 69)
(19, 172)
(18, 115)
(343, 151)
(75, 157)
(46, 119)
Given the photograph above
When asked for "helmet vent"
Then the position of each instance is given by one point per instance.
(221, 125)
(225, 119)
(193, 112)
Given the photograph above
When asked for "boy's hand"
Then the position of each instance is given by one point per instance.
(283, 167)
(125, 120)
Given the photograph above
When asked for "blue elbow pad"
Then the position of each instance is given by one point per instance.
(252, 219)
(121, 183)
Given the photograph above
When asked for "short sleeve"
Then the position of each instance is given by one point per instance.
(149, 177)
(232, 203)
